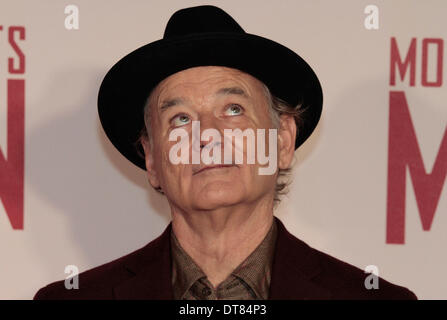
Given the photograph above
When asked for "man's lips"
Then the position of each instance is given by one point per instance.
(213, 167)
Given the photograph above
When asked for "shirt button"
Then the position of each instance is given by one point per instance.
(206, 291)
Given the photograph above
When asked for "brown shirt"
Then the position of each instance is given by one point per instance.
(249, 281)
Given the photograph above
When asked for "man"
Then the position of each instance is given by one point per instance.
(208, 75)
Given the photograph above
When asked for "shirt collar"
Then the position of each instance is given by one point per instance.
(185, 272)
(255, 270)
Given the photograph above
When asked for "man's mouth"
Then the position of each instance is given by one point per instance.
(217, 166)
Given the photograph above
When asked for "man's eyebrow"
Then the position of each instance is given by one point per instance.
(232, 90)
(222, 91)
(170, 103)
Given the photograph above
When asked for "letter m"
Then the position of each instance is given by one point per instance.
(12, 163)
(396, 61)
(403, 152)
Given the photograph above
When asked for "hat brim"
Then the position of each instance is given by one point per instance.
(126, 86)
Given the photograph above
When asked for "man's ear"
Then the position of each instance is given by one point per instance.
(286, 138)
(149, 160)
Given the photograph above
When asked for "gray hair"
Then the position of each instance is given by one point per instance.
(277, 107)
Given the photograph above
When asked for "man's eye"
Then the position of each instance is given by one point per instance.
(180, 120)
(234, 110)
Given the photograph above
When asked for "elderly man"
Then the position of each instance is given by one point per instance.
(208, 75)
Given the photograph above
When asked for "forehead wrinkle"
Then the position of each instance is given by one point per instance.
(171, 103)
(230, 82)
(235, 90)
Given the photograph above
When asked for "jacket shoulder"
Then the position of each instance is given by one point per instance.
(99, 279)
(318, 275)
(98, 282)
(348, 282)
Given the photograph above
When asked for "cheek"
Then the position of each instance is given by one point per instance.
(250, 176)
(176, 174)
(260, 181)
(161, 161)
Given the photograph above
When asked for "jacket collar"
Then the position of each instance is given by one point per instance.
(294, 266)
(151, 269)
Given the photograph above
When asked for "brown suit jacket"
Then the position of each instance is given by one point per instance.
(298, 272)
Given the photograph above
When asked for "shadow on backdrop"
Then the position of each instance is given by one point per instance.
(65, 167)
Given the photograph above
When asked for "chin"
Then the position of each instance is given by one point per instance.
(215, 196)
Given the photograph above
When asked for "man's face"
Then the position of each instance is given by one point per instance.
(220, 98)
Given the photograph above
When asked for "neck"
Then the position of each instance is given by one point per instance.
(219, 240)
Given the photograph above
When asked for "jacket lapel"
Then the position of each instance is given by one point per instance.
(294, 266)
(151, 270)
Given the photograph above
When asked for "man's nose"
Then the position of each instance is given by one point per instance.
(209, 121)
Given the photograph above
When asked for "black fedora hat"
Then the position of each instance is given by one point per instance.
(201, 36)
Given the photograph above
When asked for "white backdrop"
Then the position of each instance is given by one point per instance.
(84, 204)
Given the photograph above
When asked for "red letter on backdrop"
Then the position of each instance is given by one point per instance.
(440, 53)
(410, 60)
(17, 50)
(12, 165)
(403, 151)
